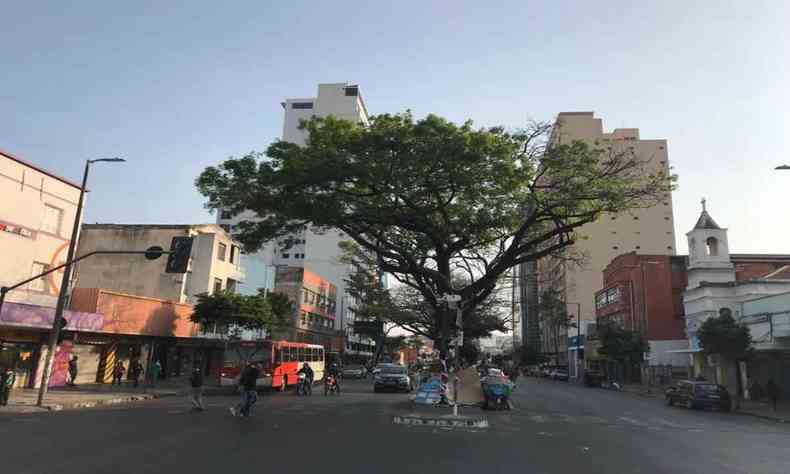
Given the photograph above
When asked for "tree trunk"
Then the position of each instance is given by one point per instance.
(444, 333)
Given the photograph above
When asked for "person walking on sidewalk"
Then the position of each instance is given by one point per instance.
(7, 378)
(156, 372)
(117, 373)
(136, 369)
(196, 381)
(772, 390)
(249, 395)
(73, 371)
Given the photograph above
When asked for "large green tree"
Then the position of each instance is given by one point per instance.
(430, 198)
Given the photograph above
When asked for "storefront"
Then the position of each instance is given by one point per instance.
(20, 351)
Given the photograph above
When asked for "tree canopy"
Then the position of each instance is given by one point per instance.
(231, 313)
(621, 344)
(432, 199)
(724, 336)
(406, 308)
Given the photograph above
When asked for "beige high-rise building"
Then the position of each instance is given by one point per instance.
(646, 231)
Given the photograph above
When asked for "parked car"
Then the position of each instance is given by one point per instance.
(392, 377)
(353, 372)
(698, 394)
(559, 374)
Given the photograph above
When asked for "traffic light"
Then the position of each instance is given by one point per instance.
(180, 250)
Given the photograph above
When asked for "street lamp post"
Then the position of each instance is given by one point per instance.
(64, 284)
(578, 337)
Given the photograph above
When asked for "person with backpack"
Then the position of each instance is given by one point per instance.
(772, 391)
(7, 378)
(156, 372)
(117, 373)
(196, 381)
(136, 369)
(73, 371)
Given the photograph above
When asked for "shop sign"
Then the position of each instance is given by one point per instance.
(33, 316)
(17, 230)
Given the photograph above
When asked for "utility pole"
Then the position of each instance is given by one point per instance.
(65, 281)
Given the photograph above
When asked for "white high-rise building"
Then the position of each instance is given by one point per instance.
(318, 252)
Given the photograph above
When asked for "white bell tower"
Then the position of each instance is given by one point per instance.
(709, 252)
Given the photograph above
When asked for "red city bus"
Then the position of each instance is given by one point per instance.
(280, 361)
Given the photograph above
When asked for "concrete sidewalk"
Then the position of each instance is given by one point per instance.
(759, 409)
(92, 395)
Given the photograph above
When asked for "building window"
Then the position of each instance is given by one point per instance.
(222, 249)
(614, 247)
(638, 247)
(302, 105)
(352, 91)
(217, 285)
(225, 214)
(234, 253)
(636, 218)
(39, 284)
(52, 219)
(286, 255)
(231, 287)
(711, 247)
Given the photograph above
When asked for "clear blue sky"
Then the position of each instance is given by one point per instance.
(175, 88)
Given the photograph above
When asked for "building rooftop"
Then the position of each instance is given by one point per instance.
(39, 169)
(705, 221)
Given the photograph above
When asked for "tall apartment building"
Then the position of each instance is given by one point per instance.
(214, 264)
(317, 252)
(646, 231)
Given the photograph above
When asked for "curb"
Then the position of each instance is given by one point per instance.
(764, 417)
(734, 412)
(109, 401)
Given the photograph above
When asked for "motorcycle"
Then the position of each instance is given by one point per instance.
(303, 385)
(330, 385)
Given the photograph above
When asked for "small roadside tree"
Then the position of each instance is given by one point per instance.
(553, 316)
(724, 337)
(231, 313)
(622, 346)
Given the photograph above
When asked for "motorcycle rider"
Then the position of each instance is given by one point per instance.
(334, 372)
(308, 373)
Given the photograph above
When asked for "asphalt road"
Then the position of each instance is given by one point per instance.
(555, 428)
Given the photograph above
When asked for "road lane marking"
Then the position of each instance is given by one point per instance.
(631, 421)
(669, 424)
